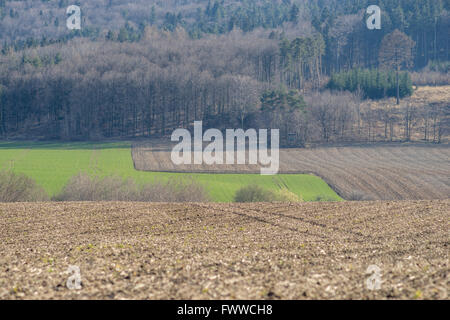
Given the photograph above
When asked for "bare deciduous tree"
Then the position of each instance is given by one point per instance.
(396, 52)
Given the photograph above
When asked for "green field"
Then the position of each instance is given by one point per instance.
(51, 165)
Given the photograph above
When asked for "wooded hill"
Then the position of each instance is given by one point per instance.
(341, 23)
(142, 68)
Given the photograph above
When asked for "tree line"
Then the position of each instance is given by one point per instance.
(147, 79)
(123, 90)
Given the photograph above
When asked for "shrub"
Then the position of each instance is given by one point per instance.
(254, 193)
(19, 188)
(174, 190)
(83, 187)
(284, 195)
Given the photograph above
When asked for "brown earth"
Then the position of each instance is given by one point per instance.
(225, 251)
(368, 171)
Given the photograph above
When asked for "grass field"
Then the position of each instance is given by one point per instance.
(53, 164)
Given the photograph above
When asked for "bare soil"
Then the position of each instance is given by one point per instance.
(225, 251)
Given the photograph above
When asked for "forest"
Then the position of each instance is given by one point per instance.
(143, 68)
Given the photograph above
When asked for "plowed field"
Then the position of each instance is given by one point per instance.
(225, 251)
